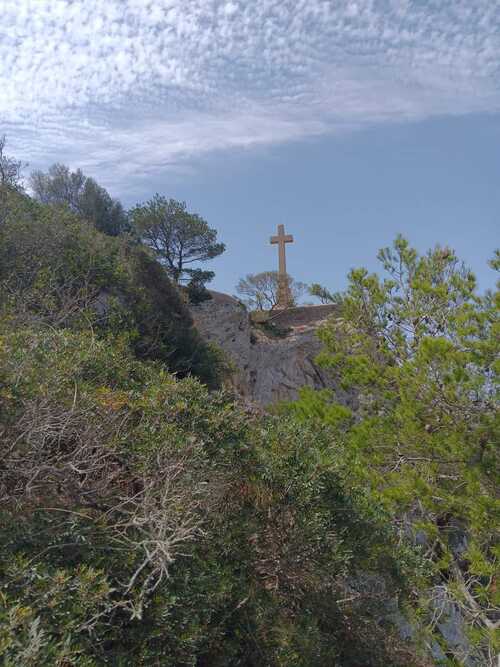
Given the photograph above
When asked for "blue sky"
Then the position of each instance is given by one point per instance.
(344, 197)
(347, 121)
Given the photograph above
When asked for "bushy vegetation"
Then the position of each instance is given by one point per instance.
(82, 195)
(420, 350)
(58, 270)
(145, 520)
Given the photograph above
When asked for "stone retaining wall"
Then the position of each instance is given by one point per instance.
(302, 315)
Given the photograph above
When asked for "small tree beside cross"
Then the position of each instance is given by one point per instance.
(178, 238)
(261, 291)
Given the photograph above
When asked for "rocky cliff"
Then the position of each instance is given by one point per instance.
(271, 360)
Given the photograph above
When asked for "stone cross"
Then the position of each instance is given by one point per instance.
(284, 297)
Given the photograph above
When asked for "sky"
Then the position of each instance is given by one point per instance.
(348, 121)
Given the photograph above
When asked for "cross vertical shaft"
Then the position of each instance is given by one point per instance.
(281, 239)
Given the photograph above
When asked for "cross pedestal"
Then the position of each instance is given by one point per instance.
(284, 296)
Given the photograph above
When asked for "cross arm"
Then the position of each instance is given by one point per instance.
(287, 238)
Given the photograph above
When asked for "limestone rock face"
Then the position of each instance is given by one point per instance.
(223, 321)
(267, 367)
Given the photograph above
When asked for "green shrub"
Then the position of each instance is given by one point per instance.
(57, 270)
(419, 347)
(146, 521)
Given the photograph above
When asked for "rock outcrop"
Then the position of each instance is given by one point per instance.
(271, 361)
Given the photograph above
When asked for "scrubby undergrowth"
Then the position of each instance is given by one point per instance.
(146, 521)
(58, 270)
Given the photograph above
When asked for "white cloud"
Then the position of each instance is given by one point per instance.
(134, 85)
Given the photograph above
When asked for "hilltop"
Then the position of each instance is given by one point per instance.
(272, 354)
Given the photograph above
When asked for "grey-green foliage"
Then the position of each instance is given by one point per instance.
(10, 178)
(82, 194)
(146, 521)
(10, 168)
(177, 237)
(56, 270)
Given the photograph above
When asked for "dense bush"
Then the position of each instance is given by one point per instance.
(146, 521)
(57, 270)
(420, 349)
(82, 195)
